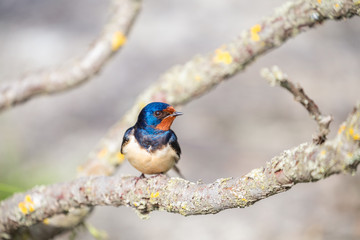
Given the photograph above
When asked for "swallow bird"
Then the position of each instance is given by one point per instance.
(150, 145)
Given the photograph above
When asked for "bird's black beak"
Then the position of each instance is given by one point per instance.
(175, 114)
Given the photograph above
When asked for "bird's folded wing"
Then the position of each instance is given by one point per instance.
(126, 138)
(174, 144)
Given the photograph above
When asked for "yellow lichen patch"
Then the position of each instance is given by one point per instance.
(46, 221)
(118, 40)
(23, 208)
(31, 208)
(184, 206)
(154, 195)
(27, 205)
(222, 56)
(120, 157)
(255, 32)
(349, 154)
(341, 129)
(183, 209)
(356, 136)
(323, 152)
(351, 131)
(244, 200)
(198, 78)
(102, 153)
(28, 199)
(336, 5)
(319, 1)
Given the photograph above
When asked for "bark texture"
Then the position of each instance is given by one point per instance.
(308, 162)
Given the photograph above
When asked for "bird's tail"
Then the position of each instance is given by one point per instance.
(177, 170)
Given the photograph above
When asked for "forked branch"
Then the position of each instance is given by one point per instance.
(277, 78)
(305, 163)
(183, 83)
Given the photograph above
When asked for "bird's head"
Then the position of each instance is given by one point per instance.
(157, 115)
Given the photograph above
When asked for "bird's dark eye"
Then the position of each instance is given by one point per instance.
(157, 113)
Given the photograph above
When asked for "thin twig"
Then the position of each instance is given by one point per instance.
(277, 78)
(305, 163)
(113, 37)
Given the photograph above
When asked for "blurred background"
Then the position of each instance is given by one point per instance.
(238, 126)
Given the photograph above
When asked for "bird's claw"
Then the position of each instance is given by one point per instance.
(138, 178)
(156, 175)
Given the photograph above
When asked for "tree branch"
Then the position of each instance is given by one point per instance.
(113, 37)
(183, 83)
(305, 163)
(276, 77)
(123, 14)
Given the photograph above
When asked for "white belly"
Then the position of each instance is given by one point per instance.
(160, 161)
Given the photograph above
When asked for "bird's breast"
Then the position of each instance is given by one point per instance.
(150, 162)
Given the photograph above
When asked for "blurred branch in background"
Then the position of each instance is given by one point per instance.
(62, 78)
(112, 38)
(276, 77)
(181, 83)
(305, 163)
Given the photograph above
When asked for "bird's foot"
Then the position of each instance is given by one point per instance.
(159, 174)
(138, 178)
